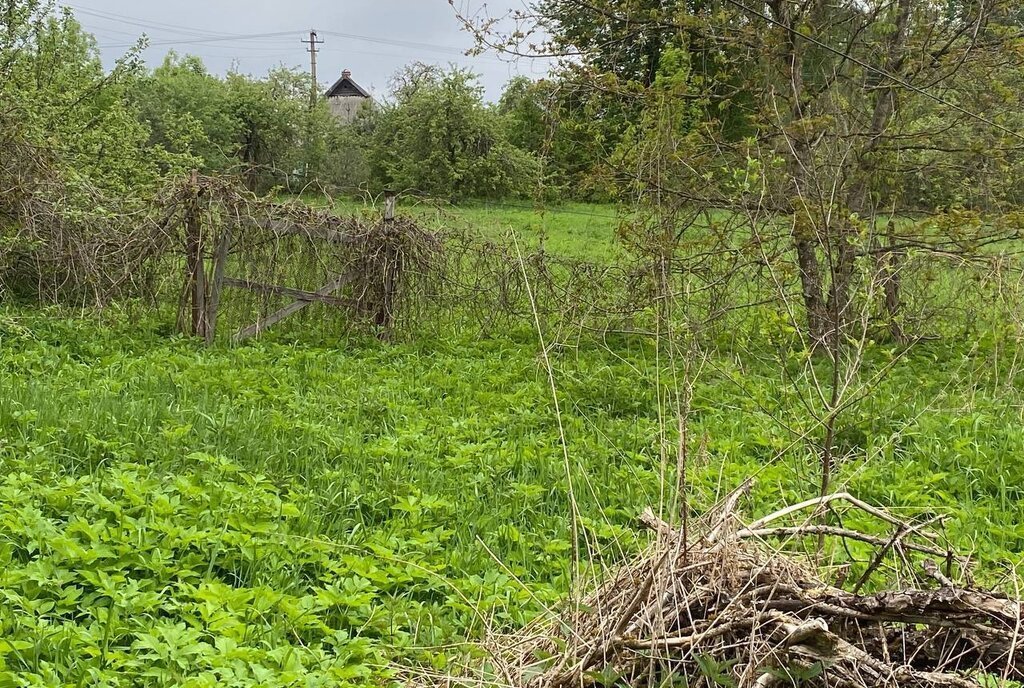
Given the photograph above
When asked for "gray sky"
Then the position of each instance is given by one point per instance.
(383, 35)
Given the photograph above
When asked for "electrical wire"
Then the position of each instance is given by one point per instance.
(190, 34)
(389, 41)
(144, 23)
(201, 36)
(212, 39)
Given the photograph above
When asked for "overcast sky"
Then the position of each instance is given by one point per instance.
(380, 35)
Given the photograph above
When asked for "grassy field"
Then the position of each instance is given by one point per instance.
(574, 230)
(307, 511)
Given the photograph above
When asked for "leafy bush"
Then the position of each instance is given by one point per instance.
(441, 140)
(57, 97)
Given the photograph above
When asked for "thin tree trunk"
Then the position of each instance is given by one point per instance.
(810, 282)
(812, 286)
(840, 297)
(881, 117)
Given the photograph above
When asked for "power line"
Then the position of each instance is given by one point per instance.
(197, 35)
(145, 23)
(212, 39)
(876, 70)
(282, 55)
(446, 49)
(399, 43)
(450, 50)
(400, 56)
(104, 33)
(121, 34)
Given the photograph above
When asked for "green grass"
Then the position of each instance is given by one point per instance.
(573, 230)
(306, 511)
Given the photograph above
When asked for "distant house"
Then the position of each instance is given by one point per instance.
(345, 98)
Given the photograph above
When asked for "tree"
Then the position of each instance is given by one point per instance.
(824, 99)
(438, 138)
(794, 132)
(262, 128)
(623, 38)
(275, 134)
(75, 165)
(564, 132)
(527, 109)
(345, 163)
(188, 111)
(54, 89)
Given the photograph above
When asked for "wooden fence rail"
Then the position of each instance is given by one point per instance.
(206, 293)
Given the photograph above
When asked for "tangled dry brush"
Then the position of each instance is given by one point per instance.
(739, 605)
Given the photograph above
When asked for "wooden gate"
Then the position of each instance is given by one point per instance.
(205, 288)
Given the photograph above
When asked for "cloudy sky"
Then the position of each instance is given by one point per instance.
(373, 38)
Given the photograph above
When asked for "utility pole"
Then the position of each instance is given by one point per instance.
(313, 42)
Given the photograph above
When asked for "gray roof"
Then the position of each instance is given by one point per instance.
(346, 87)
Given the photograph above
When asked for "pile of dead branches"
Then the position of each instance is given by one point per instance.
(729, 604)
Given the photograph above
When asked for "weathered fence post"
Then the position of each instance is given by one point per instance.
(392, 256)
(220, 260)
(194, 258)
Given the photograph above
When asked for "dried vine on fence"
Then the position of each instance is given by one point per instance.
(66, 240)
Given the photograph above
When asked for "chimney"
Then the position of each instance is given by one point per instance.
(346, 74)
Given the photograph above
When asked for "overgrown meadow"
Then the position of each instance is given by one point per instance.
(317, 510)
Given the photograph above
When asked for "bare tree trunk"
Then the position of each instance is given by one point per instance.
(881, 117)
(810, 282)
(806, 238)
(840, 297)
(888, 264)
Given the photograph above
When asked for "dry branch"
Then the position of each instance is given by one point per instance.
(758, 614)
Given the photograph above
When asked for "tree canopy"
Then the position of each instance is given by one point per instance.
(439, 138)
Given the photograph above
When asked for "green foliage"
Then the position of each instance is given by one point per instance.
(58, 98)
(526, 110)
(440, 139)
(344, 162)
(131, 577)
(563, 129)
(845, 129)
(278, 134)
(667, 134)
(608, 37)
(282, 514)
(716, 672)
(75, 163)
(187, 110)
(366, 489)
(125, 129)
(261, 128)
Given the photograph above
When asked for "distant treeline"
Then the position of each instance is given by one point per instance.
(125, 128)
